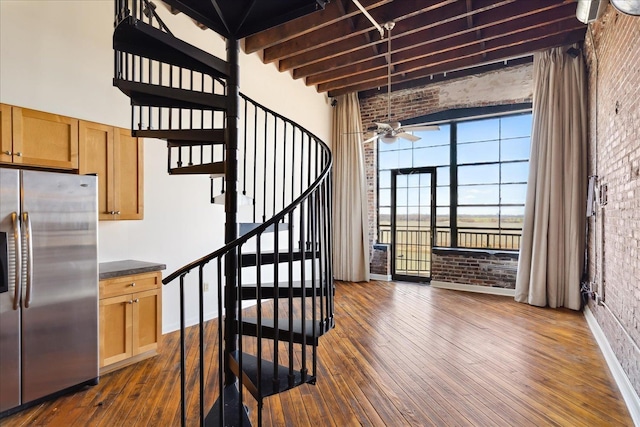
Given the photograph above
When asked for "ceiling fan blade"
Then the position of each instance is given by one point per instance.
(384, 126)
(374, 137)
(421, 127)
(408, 136)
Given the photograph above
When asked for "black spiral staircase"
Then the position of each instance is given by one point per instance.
(272, 280)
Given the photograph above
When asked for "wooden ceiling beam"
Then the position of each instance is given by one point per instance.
(467, 57)
(441, 39)
(452, 48)
(542, 43)
(367, 35)
(341, 30)
(331, 14)
(497, 44)
(429, 19)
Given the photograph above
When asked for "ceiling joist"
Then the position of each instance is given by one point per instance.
(338, 50)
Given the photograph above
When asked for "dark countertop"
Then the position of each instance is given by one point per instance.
(112, 269)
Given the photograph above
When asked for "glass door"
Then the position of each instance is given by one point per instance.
(413, 214)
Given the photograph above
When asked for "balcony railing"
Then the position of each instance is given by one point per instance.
(468, 237)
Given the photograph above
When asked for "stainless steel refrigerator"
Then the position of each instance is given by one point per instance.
(49, 285)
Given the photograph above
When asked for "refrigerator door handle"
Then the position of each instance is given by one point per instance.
(17, 237)
(29, 241)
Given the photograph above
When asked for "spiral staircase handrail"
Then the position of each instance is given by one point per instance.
(271, 221)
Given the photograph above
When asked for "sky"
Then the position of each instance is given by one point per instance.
(481, 144)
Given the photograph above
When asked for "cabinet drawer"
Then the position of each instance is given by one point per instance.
(129, 284)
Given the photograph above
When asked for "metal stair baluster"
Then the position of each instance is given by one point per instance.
(254, 157)
(290, 265)
(264, 189)
(259, 321)
(221, 354)
(303, 300)
(201, 336)
(314, 278)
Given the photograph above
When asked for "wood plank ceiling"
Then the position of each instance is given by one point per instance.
(338, 50)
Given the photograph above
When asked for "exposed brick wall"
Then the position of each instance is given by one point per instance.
(495, 269)
(613, 60)
(503, 87)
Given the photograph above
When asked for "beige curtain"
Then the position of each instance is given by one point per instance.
(551, 252)
(350, 224)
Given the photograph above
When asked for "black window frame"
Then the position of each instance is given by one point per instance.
(453, 117)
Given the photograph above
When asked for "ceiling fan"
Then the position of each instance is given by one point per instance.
(389, 132)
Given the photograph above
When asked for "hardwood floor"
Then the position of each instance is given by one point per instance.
(400, 355)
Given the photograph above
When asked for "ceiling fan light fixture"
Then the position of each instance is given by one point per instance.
(388, 139)
(630, 7)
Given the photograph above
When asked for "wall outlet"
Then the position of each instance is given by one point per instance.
(205, 286)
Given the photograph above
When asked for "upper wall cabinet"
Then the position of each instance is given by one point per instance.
(117, 158)
(36, 138)
(6, 146)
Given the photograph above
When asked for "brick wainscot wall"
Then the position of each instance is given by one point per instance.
(475, 267)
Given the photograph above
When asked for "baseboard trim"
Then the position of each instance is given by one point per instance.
(491, 290)
(380, 277)
(628, 393)
(189, 321)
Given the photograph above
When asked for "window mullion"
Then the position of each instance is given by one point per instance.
(453, 185)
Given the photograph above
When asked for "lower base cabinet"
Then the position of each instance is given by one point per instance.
(130, 319)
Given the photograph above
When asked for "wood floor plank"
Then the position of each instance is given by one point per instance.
(401, 355)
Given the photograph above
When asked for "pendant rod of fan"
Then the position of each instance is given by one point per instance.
(389, 26)
(369, 17)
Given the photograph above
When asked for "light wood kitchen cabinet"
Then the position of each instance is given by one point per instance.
(130, 319)
(36, 138)
(117, 158)
(6, 145)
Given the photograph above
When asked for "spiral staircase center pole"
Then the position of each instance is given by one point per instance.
(231, 201)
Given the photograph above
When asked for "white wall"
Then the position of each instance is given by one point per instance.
(57, 56)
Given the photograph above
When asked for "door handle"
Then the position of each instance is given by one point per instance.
(17, 237)
(29, 242)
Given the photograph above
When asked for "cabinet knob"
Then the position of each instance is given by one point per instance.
(117, 212)
(136, 300)
(130, 302)
(8, 153)
(19, 154)
(133, 284)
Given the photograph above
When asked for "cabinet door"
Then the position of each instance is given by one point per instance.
(6, 148)
(96, 157)
(129, 185)
(44, 139)
(116, 329)
(147, 312)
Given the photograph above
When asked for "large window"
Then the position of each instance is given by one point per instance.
(481, 167)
